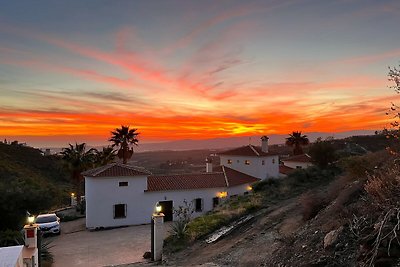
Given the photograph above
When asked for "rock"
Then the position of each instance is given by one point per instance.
(332, 237)
(147, 255)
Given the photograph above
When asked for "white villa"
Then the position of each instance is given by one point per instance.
(120, 194)
(292, 163)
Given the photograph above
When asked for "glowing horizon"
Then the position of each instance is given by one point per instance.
(186, 70)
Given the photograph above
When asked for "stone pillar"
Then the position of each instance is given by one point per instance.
(31, 252)
(73, 200)
(158, 237)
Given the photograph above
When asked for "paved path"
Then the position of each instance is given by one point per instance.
(79, 247)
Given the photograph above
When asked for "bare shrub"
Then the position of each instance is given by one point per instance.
(183, 216)
(311, 204)
(383, 191)
(384, 188)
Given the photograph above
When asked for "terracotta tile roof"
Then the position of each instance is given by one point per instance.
(237, 178)
(115, 170)
(185, 181)
(299, 158)
(248, 150)
(222, 177)
(285, 169)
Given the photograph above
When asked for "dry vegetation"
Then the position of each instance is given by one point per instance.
(359, 210)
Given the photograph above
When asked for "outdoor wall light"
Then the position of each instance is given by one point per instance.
(72, 194)
(31, 219)
(249, 188)
(222, 194)
(158, 208)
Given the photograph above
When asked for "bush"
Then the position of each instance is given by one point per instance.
(359, 166)
(311, 204)
(384, 189)
(264, 184)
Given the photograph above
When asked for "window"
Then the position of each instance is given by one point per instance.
(246, 193)
(273, 161)
(198, 204)
(119, 211)
(233, 196)
(229, 161)
(247, 162)
(237, 161)
(298, 167)
(263, 162)
(123, 183)
(215, 201)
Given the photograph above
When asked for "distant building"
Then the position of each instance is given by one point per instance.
(120, 194)
(252, 160)
(292, 163)
(298, 162)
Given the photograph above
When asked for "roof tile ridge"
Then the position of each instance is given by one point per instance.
(134, 168)
(226, 178)
(254, 150)
(103, 168)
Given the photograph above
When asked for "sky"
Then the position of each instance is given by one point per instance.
(72, 71)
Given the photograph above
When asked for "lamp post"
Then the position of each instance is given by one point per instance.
(157, 233)
(31, 240)
(73, 200)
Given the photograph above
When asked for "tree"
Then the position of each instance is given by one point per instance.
(77, 160)
(322, 153)
(105, 156)
(296, 140)
(393, 112)
(124, 137)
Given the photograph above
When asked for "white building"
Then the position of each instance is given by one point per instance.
(24, 255)
(253, 160)
(302, 161)
(119, 194)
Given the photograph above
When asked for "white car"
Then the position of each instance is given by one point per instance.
(48, 223)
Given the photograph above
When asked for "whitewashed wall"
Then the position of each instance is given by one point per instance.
(255, 168)
(294, 164)
(103, 193)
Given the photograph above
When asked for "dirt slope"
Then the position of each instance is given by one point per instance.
(251, 245)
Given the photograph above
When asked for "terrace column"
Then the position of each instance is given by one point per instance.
(157, 241)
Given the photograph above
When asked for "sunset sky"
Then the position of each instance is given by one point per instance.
(74, 70)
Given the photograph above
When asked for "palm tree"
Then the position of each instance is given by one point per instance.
(296, 140)
(105, 156)
(77, 160)
(124, 137)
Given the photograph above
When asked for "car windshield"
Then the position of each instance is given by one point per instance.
(46, 219)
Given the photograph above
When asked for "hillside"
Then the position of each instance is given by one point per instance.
(351, 220)
(28, 182)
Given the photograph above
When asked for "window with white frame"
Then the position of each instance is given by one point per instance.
(247, 162)
(229, 161)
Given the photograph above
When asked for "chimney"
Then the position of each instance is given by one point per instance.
(264, 144)
(209, 166)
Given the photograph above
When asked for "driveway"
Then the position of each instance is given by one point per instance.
(79, 247)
